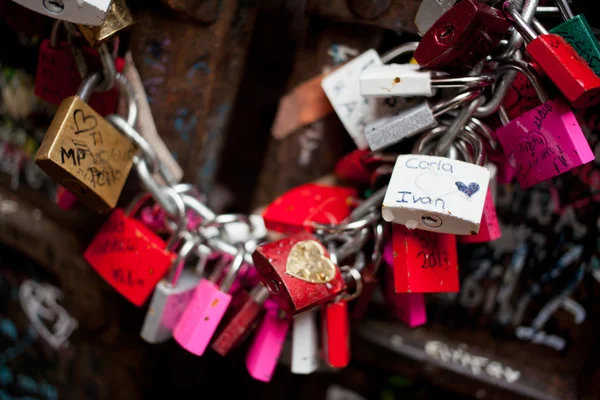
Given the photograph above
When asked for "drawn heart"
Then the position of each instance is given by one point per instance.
(434, 185)
(468, 190)
(307, 262)
(84, 123)
(532, 149)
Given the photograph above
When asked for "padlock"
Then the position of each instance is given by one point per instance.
(429, 12)
(128, 255)
(56, 77)
(409, 80)
(489, 228)
(77, 11)
(351, 168)
(265, 349)
(559, 61)
(521, 97)
(335, 322)
(206, 308)
(436, 194)
(294, 210)
(242, 321)
(544, 142)
(170, 297)
(411, 121)
(336, 334)
(342, 88)
(369, 275)
(298, 272)
(424, 262)
(65, 200)
(579, 34)
(305, 343)
(117, 19)
(84, 153)
(407, 307)
(462, 37)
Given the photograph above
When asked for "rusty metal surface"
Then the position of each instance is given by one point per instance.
(311, 151)
(397, 15)
(201, 10)
(191, 73)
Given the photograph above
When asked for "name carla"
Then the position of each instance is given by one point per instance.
(415, 163)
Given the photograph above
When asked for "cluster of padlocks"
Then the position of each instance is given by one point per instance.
(215, 280)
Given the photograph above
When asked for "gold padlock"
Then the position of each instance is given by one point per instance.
(118, 18)
(85, 153)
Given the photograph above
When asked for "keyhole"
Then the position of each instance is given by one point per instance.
(54, 6)
(432, 221)
(274, 286)
(445, 34)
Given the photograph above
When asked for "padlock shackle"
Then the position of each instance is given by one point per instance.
(565, 9)
(458, 125)
(233, 271)
(366, 207)
(190, 243)
(404, 48)
(260, 294)
(463, 81)
(529, 73)
(86, 88)
(351, 273)
(520, 24)
(447, 104)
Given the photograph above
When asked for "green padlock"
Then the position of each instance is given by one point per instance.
(578, 33)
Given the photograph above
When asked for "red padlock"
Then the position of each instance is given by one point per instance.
(293, 211)
(462, 37)
(351, 168)
(563, 65)
(246, 308)
(521, 97)
(128, 255)
(489, 229)
(336, 334)
(57, 76)
(424, 262)
(298, 272)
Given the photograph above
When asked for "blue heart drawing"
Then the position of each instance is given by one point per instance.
(468, 190)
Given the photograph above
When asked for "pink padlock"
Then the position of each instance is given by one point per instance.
(265, 349)
(206, 309)
(65, 200)
(407, 307)
(544, 142)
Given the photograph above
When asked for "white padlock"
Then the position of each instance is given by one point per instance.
(436, 194)
(342, 88)
(396, 80)
(171, 297)
(86, 12)
(409, 80)
(305, 343)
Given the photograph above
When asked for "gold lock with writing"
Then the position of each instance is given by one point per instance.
(118, 18)
(85, 153)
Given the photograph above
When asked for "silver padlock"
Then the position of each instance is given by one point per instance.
(171, 296)
(86, 12)
(436, 194)
(430, 11)
(305, 343)
(411, 121)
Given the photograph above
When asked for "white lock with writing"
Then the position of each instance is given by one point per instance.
(436, 194)
(86, 12)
